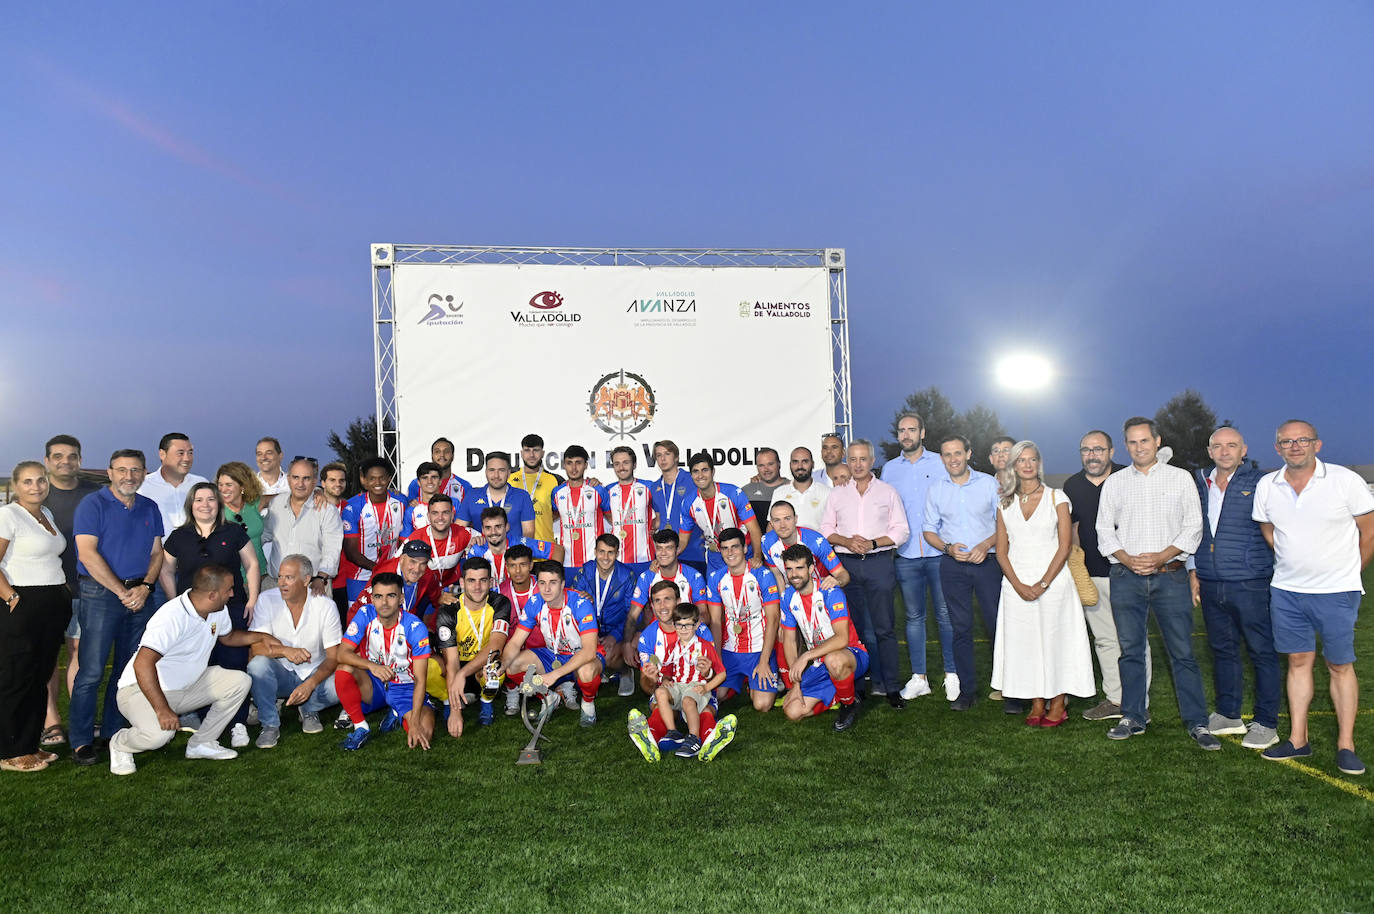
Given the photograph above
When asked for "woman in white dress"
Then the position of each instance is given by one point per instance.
(1041, 650)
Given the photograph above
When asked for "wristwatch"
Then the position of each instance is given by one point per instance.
(1044, 586)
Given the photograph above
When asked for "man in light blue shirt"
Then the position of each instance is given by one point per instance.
(917, 565)
(961, 522)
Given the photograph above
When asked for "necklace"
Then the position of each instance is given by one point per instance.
(1026, 496)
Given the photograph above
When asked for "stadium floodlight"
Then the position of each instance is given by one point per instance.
(1024, 372)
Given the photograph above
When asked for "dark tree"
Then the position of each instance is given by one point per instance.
(980, 425)
(934, 409)
(1185, 424)
(358, 443)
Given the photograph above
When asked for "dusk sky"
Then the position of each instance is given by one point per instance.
(1155, 197)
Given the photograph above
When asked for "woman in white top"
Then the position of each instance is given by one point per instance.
(1041, 649)
(37, 607)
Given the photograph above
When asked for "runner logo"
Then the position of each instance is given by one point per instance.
(443, 311)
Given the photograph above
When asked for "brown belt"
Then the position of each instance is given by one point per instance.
(1175, 565)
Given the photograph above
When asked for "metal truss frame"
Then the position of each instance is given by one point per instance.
(387, 256)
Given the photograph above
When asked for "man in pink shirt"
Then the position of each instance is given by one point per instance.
(865, 522)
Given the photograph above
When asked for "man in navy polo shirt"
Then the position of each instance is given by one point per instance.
(119, 553)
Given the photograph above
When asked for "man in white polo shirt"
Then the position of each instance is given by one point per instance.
(805, 492)
(302, 620)
(1319, 518)
(171, 674)
(169, 486)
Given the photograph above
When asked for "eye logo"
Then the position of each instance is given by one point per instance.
(546, 301)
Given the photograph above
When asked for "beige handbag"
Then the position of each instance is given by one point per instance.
(1078, 569)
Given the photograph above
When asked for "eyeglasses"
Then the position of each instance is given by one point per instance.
(310, 460)
(1092, 451)
(687, 625)
(1296, 442)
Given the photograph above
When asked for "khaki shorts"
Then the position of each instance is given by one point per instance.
(677, 690)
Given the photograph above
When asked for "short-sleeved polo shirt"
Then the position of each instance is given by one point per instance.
(1316, 542)
(125, 535)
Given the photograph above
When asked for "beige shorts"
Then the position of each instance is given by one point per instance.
(677, 690)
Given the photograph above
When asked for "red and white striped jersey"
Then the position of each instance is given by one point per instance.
(628, 507)
(577, 522)
(742, 599)
(680, 660)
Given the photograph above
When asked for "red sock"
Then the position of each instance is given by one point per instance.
(514, 679)
(782, 666)
(725, 694)
(657, 728)
(706, 724)
(588, 689)
(820, 708)
(844, 689)
(350, 696)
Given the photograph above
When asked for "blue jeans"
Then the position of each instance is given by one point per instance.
(105, 623)
(1168, 595)
(1236, 611)
(914, 576)
(271, 681)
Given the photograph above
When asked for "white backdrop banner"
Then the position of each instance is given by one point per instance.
(726, 360)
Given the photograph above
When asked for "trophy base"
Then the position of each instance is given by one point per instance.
(530, 757)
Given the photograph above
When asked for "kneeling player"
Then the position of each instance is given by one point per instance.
(469, 633)
(382, 657)
(834, 654)
(744, 607)
(567, 622)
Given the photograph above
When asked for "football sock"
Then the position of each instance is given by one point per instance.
(706, 723)
(350, 696)
(588, 689)
(844, 689)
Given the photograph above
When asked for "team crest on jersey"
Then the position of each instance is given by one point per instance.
(353, 628)
(445, 633)
(622, 403)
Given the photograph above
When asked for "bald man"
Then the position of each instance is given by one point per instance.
(1230, 581)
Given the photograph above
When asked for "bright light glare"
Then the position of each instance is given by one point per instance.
(1024, 372)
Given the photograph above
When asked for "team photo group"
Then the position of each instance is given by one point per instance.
(435, 604)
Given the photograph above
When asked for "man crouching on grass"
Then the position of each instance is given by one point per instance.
(384, 653)
(170, 673)
(834, 656)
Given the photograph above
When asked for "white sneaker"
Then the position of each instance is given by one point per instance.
(213, 751)
(238, 736)
(512, 702)
(121, 762)
(915, 687)
(951, 686)
(588, 717)
(627, 685)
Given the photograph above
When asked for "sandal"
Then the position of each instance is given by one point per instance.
(53, 736)
(23, 763)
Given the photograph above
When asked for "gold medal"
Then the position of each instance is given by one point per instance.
(556, 665)
(739, 627)
(576, 535)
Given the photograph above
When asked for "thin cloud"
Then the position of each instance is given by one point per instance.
(149, 131)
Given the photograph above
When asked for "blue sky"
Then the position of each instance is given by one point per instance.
(1157, 198)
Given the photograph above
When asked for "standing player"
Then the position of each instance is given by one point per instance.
(834, 656)
(447, 543)
(744, 618)
(532, 479)
(496, 539)
(783, 532)
(629, 507)
(577, 509)
(441, 454)
(382, 657)
(374, 523)
(469, 632)
(567, 621)
(609, 585)
(497, 493)
(715, 507)
(691, 586)
(428, 478)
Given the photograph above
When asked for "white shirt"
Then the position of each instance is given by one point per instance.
(280, 487)
(317, 535)
(170, 500)
(183, 638)
(1316, 542)
(317, 632)
(34, 556)
(809, 505)
(1146, 512)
